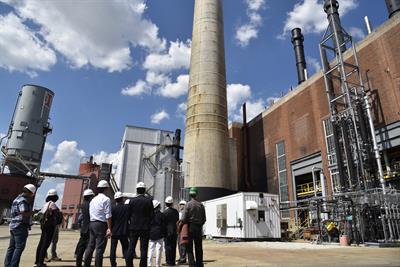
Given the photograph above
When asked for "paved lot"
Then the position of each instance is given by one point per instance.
(265, 254)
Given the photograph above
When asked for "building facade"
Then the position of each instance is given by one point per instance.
(288, 145)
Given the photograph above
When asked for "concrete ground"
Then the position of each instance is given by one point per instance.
(265, 254)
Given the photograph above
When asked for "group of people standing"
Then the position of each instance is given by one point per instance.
(140, 219)
(127, 222)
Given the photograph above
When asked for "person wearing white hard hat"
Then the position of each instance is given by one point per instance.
(120, 215)
(141, 210)
(21, 213)
(172, 217)
(100, 225)
(182, 247)
(157, 233)
(51, 217)
(84, 219)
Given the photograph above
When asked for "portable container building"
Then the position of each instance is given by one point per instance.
(244, 215)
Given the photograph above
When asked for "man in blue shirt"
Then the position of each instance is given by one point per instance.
(21, 212)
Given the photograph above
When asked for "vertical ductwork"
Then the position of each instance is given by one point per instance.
(177, 144)
(331, 8)
(298, 45)
(393, 7)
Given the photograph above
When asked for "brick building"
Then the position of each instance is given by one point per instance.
(286, 142)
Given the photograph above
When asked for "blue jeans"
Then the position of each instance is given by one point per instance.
(18, 239)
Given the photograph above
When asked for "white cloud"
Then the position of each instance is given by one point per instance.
(177, 89)
(249, 30)
(141, 87)
(159, 67)
(100, 38)
(66, 158)
(178, 57)
(21, 50)
(49, 147)
(181, 110)
(356, 33)
(104, 157)
(309, 15)
(156, 118)
(237, 94)
(314, 64)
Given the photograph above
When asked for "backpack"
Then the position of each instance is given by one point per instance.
(51, 218)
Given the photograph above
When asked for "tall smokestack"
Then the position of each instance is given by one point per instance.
(331, 8)
(298, 44)
(206, 133)
(393, 7)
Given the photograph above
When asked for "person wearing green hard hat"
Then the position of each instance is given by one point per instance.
(195, 216)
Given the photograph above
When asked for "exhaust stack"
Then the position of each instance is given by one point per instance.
(298, 45)
(331, 8)
(393, 7)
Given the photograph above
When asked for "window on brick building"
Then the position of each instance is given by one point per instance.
(282, 176)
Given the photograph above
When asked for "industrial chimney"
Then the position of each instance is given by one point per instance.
(331, 8)
(298, 45)
(393, 7)
(206, 158)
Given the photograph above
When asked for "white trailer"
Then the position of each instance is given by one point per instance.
(245, 215)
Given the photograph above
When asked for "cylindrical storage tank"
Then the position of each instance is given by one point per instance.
(393, 7)
(29, 128)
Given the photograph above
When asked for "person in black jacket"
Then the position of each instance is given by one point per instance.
(171, 216)
(141, 214)
(157, 233)
(119, 228)
(85, 221)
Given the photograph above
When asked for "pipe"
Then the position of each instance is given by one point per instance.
(368, 25)
(298, 45)
(314, 179)
(331, 8)
(393, 7)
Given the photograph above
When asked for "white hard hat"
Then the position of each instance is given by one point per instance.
(52, 192)
(88, 192)
(140, 185)
(182, 202)
(118, 195)
(103, 184)
(156, 203)
(169, 200)
(31, 188)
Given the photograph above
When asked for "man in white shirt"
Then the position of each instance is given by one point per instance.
(100, 225)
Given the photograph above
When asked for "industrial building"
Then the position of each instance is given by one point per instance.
(150, 156)
(289, 148)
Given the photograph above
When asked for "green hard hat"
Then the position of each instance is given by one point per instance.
(193, 191)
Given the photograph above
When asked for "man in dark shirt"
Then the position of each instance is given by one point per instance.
(157, 234)
(172, 216)
(141, 214)
(85, 221)
(195, 216)
(119, 228)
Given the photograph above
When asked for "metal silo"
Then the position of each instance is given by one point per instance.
(28, 130)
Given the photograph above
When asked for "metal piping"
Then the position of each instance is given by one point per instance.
(368, 24)
(393, 7)
(331, 8)
(298, 45)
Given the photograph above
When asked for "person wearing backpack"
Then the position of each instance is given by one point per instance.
(51, 217)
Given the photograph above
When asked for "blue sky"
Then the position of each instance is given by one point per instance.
(114, 63)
